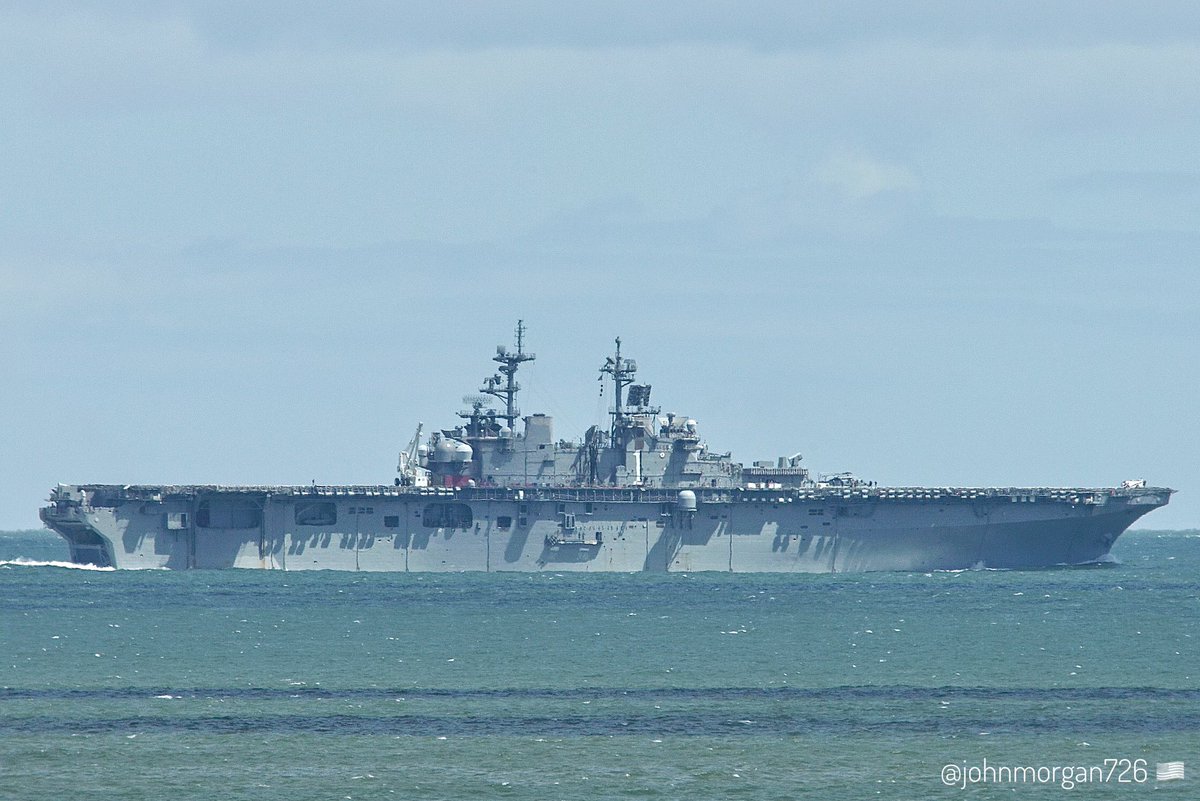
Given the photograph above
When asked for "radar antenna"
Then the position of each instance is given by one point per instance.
(476, 415)
(504, 385)
(622, 372)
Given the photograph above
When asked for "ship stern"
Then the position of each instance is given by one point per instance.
(67, 515)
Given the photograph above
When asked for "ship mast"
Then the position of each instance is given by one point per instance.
(622, 371)
(504, 386)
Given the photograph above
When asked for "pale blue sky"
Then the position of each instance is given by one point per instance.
(933, 244)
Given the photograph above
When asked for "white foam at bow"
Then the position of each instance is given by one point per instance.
(23, 562)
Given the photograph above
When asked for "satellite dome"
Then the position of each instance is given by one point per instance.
(444, 451)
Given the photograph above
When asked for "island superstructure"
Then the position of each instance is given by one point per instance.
(498, 492)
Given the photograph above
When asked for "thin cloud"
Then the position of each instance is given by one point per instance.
(859, 177)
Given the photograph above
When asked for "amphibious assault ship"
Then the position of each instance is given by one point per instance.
(498, 492)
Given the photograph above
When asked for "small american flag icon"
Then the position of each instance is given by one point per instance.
(1166, 771)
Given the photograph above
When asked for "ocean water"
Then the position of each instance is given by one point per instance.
(249, 685)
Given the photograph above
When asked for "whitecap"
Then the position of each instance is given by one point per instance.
(23, 562)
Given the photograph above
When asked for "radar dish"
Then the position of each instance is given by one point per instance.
(475, 400)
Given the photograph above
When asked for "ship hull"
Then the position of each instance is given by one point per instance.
(596, 530)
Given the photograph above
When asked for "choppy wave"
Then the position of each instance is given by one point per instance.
(836, 694)
(680, 723)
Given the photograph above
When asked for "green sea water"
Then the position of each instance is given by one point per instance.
(256, 685)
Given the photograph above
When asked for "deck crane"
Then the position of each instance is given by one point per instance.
(412, 474)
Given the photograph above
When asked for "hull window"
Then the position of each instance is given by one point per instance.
(316, 513)
(219, 514)
(447, 515)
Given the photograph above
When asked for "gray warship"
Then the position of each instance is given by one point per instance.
(498, 492)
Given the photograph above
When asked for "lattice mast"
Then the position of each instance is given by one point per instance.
(622, 372)
(504, 385)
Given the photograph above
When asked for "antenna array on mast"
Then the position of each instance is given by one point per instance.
(504, 385)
